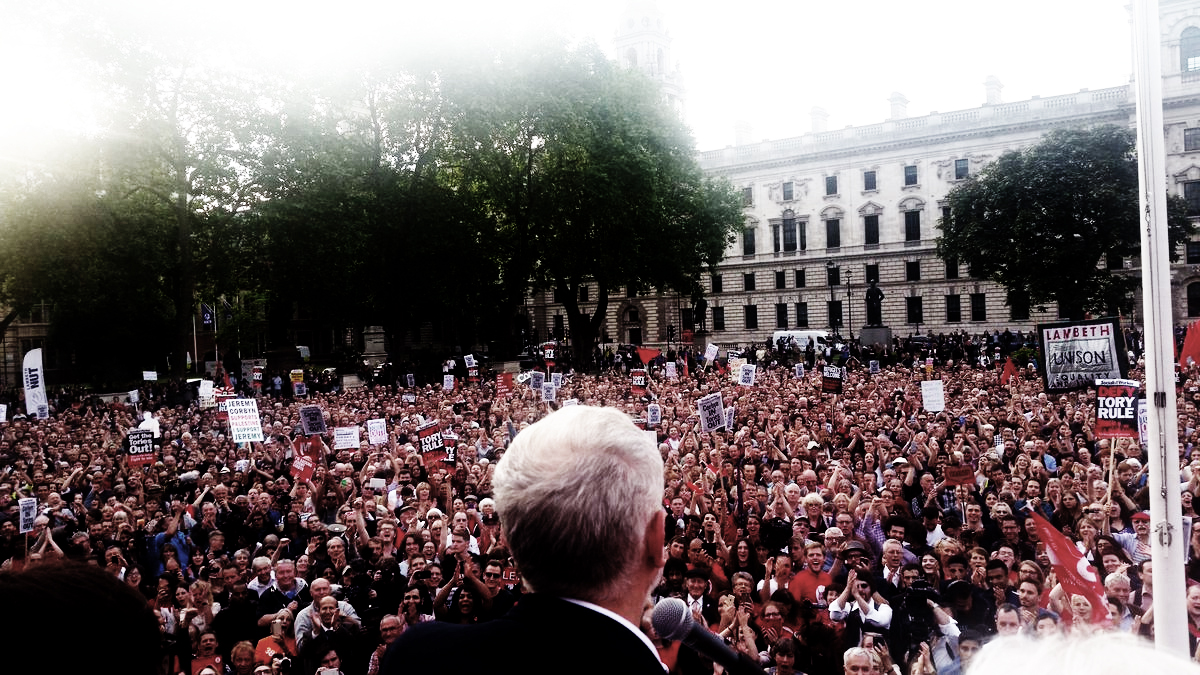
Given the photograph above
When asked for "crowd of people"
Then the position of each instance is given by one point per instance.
(819, 531)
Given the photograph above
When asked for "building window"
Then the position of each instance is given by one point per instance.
(781, 310)
(800, 280)
(962, 169)
(833, 233)
(953, 309)
(910, 175)
(780, 280)
(748, 241)
(788, 191)
(718, 318)
(869, 180)
(1193, 295)
(1191, 193)
(748, 196)
(1191, 139)
(748, 281)
(914, 313)
(978, 307)
(1189, 50)
(912, 226)
(751, 312)
(871, 230)
(833, 276)
(872, 273)
(912, 270)
(789, 233)
(717, 284)
(802, 315)
(831, 185)
(1193, 252)
(1018, 306)
(952, 268)
(583, 293)
(835, 314)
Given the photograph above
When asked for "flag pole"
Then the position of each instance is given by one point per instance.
(1162, 451)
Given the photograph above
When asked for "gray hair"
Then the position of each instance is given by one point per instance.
(574, 493)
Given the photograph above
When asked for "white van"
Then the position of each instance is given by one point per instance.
(800, 338)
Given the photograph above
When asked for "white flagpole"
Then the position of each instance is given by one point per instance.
(1162, 451)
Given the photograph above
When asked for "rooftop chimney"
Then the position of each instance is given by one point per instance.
(899, 105)
(819, 118)
(992, 86)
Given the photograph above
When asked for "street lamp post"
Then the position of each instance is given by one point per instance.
(829, 267)
(849, 308)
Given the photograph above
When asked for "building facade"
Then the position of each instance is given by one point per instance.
(828, 212)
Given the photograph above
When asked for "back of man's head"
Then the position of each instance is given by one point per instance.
(575, 492)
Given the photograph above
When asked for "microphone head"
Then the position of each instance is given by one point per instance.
(671, 619)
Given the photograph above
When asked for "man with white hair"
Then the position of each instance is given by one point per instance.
(578, 495)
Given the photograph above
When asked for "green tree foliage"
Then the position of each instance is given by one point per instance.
(1042, 221)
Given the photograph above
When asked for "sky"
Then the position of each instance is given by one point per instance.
(763, 62)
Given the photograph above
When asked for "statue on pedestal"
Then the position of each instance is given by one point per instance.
(874, 306)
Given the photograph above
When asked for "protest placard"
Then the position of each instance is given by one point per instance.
(504, 384)
(729, 418)
(135, 396)
(798, 371)
(1143, 422)
(1116, 408)
(469, 360)
(712, 412)
(548, 392)
(556, 379)
(312, 420)
(27, 506)
(300, 389)
(746, 375)
(377, 431)
(959, 475)
(873, 366)
(429, 437)
(302, 468)
(571, 401)
(141, 447)
(206, 388)
(669, 370)
(831, 379)
(296, 375)
(933, 395)
(150, 375)
(536, 379)
(637, 379)
(710, 353)
(410, 381)
(654, 414)
(447, 383)
(345, 438)
(1074, 354)
(245, 425)
(3, 413)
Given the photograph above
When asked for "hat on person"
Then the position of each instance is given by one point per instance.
(853, 546)
(409, 505)
(1141, 515)
(898, 461)
(696, 573)
(958, 588)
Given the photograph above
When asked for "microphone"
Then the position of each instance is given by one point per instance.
(672, 621)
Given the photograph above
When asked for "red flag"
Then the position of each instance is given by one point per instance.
(647, 355)
(1010, 371)
(1074, 572)
(1191, 346)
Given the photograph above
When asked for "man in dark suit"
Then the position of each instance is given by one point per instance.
(578, 495)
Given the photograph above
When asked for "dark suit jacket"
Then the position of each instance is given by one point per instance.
(541, 634)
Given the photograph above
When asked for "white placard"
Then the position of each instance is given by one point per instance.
(571, 401)
(206, 388)
(244, 423)
(652, 435)
(712, 412)
(548, 392)
(1143, 421)
(469, 360)
(3, 413)
(710, 353)
(874, 366)
(933, 395)
(345, 438)
(669, 370)
(410, 381)
(377, 431)
(28, 507)
(134, 396)
(447, 382)
(408, 398)
(798, 371)
(746, 375)
(536, 379)
(556, 379)
(654, 414)
(729, 418)
(150, 375)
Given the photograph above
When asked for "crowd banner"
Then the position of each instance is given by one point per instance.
(798, 371)
(1074, 354)
(150, 375)
(409, 380)
(637, 377)
(669, 370)
(504, 384)
(245, 425)
(28, 510)
(654, 414)
(712, 412)
(556, 379)
(312, 420)
(469, 360)
(1143, 422)
(873, 366)
(710, 353)
(447, 383)
(135, 396)
(746, 374)
(549, 392)
(536, 379)
(1117, 408)
(933, 395)
(34, 377)
(206, 388)
(831, 379)
(429, 437)
(729, 412)
(141, 447)
(377, 431)
(345, 438)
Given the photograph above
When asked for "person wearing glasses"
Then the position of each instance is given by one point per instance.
(498, 599)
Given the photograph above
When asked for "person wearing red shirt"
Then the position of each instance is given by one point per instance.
(810, 581)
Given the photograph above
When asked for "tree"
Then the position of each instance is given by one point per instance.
(590, 178)
(1042, 221)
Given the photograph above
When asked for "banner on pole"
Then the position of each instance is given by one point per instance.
(712, 412)
(637, 377)
(34, 376)
(831, 379)
(245, 425)
(536, 379)
(377, 431)
(710, 353)
(746, 374)
(312, 420)
(141, 447)
(28, 510)
(933, 395)
(654, 414)
(1116, 408)
(447, 383)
